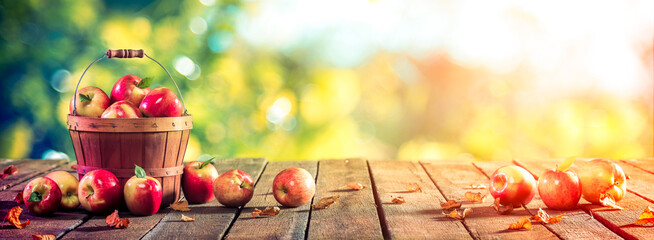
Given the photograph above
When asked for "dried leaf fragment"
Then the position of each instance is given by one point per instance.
(270, 211)
(543, 217)
(398, 200)
(646, 217)
(478, 186)
(413, 187)
(475, 196)
(181, 206)
(325, 202)
(455, 214)
(522, 224)
(12, 217)
(607, 200)
(450, 204)
(115, 222)
(19, 198)
(44, 237)
(355, 185)
(8, 171)
(187, 218)
(502, 209)
(74, 166)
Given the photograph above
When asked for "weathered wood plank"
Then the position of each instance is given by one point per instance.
(576, 224)
(5, 162)
(28, 169)
(454, 180)
(291, 223)
(211, 219)
(58, 224)
(354, 216)
(420, 216)
(646, 164)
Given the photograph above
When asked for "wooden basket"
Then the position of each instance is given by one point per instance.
(157, 144)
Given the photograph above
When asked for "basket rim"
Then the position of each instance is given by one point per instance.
(156, 124)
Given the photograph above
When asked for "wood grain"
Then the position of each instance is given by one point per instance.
(28, 169)
(291, 223)
(157, 124)
(454, 180)
(646, 164)
(211, 219)
(354, 216)
(418, 218)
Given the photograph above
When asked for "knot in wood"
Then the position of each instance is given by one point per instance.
(154, 125)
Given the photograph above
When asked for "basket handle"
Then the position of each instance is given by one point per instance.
(125, 53)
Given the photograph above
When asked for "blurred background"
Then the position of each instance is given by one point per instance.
(294, 79)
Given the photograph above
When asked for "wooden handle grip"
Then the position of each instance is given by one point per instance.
(125, 53)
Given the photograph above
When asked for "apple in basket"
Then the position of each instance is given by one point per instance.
(142, 193)
(130, 88)
(197, 181)
(42, 196)
(90, 102)
(233, 188)
(100, 191)
(161, 102)
(68, 185)
(122, 109)
(293, 187)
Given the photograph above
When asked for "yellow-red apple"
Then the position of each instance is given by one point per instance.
(90, 102)
(602, 176)
(142, 193)
(233, 188)
(42, 196)
(513, 185)
(68, 185)
(100, 191)
(197, 181)
(559, 190)
(122, 109)
(130, 88)
(293, 187)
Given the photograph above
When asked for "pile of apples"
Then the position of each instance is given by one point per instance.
(560, 189)
(131, 97)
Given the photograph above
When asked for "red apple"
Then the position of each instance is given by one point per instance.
(559, 190)
(42, 196)
(142, 194)
(197, 181)
(513, 185)
(602, 176)
(90, 102)
(122, 109)
(161, 102)
(130, 88)
(68, 185)
(233, 188)
(293, 187)
(100, 191)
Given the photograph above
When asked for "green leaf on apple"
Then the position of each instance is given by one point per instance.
(565, 165)
(85, 98)
(35, 197)
(205, 163)
(140, 173)
(145, 83)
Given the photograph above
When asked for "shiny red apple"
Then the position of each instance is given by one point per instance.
(293, 187)
(559, 190)
(142, 193)
(100, 191)
(91, 102)
(122, 109)
(130, 88)
(68, 185)
(42, 196)
(513, 185)
(233, 188)
(161, 102)
(197, 181)
(602, 176)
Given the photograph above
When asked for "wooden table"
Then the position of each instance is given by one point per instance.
(365, 214)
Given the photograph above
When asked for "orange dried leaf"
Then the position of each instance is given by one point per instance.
(450, 204)
(181, 206)
(13, 215)
(270, 211)
(44, 237)
(74, 167)
(522, 224)
(19, 198)
(398, 200)
(11, 170)
(543, 217)
(455, 214)
(413, 187)
(325, 202)
(607, 200)
(187, 218)
(475, 196)
(502, 209)
(115, 222)
(355, 186)
(478, 186)
(646, 217)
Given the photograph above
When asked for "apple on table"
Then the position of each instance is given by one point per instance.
(197, 181)
(513, 185)
(602, 176)
(90, 102)
(161, 102)
(293, 187)
(560, 188)
(42, 196)
(100, 191)
(142, 193)
(122, 109)
(130, 88)
(233, 188)
(68, 185)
